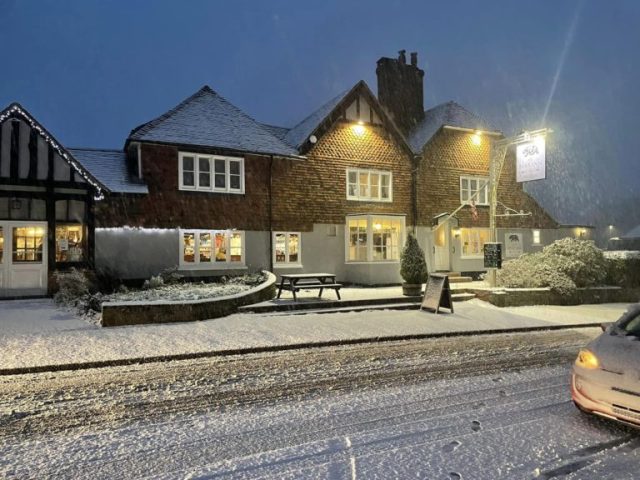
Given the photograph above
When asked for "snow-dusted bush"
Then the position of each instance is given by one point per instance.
(413, 266)
(74, 286)
(156, 281)
(587, 266)
(562, 266)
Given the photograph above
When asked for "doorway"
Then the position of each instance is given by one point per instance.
(23, 258)
(441, 236)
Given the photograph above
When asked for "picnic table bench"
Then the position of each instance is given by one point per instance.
(304, 281)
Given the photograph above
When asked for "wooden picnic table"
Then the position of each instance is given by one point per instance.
(295, 282)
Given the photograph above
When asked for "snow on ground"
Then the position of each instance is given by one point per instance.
(519, 425)
(34, 332)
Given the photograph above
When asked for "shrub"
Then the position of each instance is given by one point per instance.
(155, 281)
(562, 266)
(74, 287)
(623, 269)
(413, 266)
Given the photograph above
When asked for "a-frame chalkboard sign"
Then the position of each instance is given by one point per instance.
(437, 294)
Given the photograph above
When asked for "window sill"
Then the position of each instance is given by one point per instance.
(369, 200)
(287, 265)
(214, 266)
(472, 257)
(373, 262)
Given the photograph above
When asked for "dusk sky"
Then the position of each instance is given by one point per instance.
(91, 71)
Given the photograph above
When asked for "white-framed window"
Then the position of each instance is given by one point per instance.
(472, 241)
(210, 173)
(470, 185)
(369, 185)
(536, 237)
(211, 249)
(287, 248)
(374, 238)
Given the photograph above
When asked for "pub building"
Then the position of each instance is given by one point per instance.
(46, 199)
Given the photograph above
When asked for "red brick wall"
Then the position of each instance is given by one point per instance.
(450, 155)
(168, 207)
(314, 190)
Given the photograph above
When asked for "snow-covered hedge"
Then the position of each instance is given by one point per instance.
(562, 266)
(413, 266)
(623, 268)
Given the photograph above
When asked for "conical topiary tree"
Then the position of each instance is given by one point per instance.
(413, 266)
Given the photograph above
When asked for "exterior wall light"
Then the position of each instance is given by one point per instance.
(476, 138)
(358, 128)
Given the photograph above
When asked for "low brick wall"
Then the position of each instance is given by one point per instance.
(544, 296)
(135, 313)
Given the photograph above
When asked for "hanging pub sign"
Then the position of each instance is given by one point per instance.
(530, 160)
(492, 255)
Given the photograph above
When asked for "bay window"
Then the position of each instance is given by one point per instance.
(211, 249)
(374, 238)
(286, 248)
(472, 241)
(210, 173)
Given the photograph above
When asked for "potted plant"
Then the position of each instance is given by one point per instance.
(413, 267)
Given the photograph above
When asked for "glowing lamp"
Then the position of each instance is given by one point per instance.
(377, 226)
(358, 128)
(476, 139)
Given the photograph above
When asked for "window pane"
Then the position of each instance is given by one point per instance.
(234, 182)
(28, 244)
(220, 166)
(205, 247)
(375, 185)
(294, 243)
(220, 180)
(353, 177)
(364, 184)
(465, 184)
(221, 247)
(204, 172)
(187, 164)
(69, 243)
(281, 247)
(188, 179)
(235, 247)
(234, 168)
(203, 164)
(189, 247)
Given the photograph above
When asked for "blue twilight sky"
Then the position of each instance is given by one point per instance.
(92, 70)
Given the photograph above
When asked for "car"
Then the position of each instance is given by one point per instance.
(606, 375)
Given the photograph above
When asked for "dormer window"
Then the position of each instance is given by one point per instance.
(211, 173)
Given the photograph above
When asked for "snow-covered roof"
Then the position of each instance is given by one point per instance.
(110, 168)
(301, 132)
(207, 119)
(633, 233)
(448, 114)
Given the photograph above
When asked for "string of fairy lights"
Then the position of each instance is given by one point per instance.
(15, 109)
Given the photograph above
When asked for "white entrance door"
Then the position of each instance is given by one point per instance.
(23, 258)
(441, 247)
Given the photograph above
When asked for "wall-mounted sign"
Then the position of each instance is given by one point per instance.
(512, 244)
(530, 161)
(492, 255)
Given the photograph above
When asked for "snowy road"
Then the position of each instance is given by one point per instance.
(489, 407)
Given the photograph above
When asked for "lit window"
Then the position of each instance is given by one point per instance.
(470, 185)
(374, 238)
(28, 244)
(69, 243)
(211, 248)
(536, 237)
(196, 173)
(473, 240)
(286, 248)
(368, 185)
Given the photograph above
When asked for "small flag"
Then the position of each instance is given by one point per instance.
(474, 211)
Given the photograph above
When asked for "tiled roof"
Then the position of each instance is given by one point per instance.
(110, 168)
(450, 114)
(633, 233)
(207, 119)
(301, 132)
(279, 132)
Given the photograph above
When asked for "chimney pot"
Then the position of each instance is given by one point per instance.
(402, 57)
(414, 59)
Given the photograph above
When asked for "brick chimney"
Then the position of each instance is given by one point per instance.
(400, 89)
